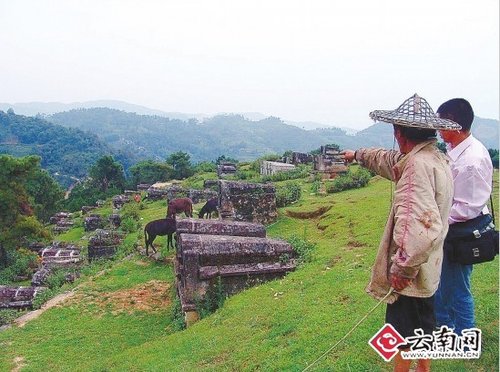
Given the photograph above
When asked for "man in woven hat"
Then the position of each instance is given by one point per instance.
(472, 175)
(408, 263)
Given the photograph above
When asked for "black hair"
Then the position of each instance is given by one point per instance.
(459, 110)
(417, 134)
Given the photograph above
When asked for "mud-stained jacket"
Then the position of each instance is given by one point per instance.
(412, 243)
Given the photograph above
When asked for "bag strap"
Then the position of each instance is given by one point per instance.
(492, 211)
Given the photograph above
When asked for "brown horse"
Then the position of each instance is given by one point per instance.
(180, 205)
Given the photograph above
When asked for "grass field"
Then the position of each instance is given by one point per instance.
(121, 320)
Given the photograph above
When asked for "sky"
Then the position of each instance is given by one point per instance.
(326, 61)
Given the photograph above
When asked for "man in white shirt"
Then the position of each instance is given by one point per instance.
(472, 177)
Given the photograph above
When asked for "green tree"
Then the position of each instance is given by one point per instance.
(334, 146)
(181, 163)
(18, 226)
(150, 171)
(106, 173)
(494, 157)
(225, 159)
(46, 194)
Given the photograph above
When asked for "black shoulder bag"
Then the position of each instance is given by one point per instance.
(474, 241)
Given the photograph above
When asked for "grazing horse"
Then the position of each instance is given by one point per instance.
(165, 226)
(180, 205)
(209, 207)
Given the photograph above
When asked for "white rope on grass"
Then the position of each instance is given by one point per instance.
(348, 333)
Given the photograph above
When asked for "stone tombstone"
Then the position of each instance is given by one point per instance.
(301, 158)
(219, 227)
(93, 222)
(211, 184)
(104, 244)
(243, 201)
(115, 220)
(87, 208)
(236, 262)
(119, 200)
(18, 297)
(175, 192)
(143, 186)
(198, 196)
(226, 169)
(268, 168)
(154, 193)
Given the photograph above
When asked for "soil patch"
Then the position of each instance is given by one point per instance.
(308, 214)
(147, 297)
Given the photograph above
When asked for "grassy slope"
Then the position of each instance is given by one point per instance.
(280, 325)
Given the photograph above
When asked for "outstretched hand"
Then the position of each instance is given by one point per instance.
(348, 155)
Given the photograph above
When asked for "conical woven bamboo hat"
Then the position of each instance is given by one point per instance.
(414, 112)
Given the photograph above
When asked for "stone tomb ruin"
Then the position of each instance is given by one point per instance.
(62, 222)
(226, 169)
(232, 254)
(18, 297)
(58, 255)
(329, 163)
(243, 201)
(104, 244)
(268, 168)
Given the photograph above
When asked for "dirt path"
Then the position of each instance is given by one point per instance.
(22, 320)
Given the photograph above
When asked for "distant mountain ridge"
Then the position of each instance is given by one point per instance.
(69, 142)
(49, 108)
(231, 135)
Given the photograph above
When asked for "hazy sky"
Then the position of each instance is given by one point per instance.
(327, 61)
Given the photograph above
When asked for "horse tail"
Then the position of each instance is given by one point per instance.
(146, 236)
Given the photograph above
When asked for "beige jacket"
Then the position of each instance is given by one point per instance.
(413, 238)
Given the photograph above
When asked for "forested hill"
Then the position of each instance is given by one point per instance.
(66, 152)
(231, 135)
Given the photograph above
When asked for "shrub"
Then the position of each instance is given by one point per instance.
(352, 180)
(129, 225)
(7, 316)
(130, 210)
(22, 262)
(302, 247)
(301, 171)
(287, 194)
(42, 297)
(214, 299)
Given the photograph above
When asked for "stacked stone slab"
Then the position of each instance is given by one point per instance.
(143, 186)
(268, 168)
(58, 255)
(226, 169)
(93, 222)
(115, 220)
(329, 163)
(18, 297)
(243, 201)
(104, 244)
(201, 195)
(234, 254)
(154, 193)
(87, 208)
(62, 222)
(119, 200)
(175, 192)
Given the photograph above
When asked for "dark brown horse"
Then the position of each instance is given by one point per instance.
(180, 205)
(165, 226)
(209, 207)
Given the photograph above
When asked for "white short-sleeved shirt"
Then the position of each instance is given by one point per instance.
(472, 178)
